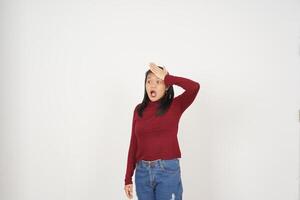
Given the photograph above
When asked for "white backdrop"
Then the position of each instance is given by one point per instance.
(72, 72)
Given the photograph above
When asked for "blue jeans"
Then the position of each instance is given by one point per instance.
(158, 180)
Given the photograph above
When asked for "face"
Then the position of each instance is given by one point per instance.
(155, 87)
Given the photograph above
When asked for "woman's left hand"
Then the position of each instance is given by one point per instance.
(160, 73)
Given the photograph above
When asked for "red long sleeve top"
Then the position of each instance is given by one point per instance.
(155, 137)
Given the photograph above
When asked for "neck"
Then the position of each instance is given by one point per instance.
(153, 103)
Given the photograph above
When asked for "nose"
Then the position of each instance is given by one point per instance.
(152, 85)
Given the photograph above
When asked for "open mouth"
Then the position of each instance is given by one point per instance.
(152, 93)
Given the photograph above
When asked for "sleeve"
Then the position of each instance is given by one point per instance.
(191, 90)
(131, 160)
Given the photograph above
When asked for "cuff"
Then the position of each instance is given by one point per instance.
(167, 80)
(128, 181)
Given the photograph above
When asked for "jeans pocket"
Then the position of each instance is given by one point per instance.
(139, 166)
(171, 166)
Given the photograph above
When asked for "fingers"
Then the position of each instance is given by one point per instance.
(152, 64)
(155, 69)
(129, 191)
(130, 194)
(160, 73)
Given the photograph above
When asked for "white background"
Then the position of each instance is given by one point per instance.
(72, 72)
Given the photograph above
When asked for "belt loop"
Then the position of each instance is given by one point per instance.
(161, 163)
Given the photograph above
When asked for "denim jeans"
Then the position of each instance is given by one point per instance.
(158, 180)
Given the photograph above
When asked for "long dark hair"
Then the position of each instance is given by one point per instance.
(164, 102)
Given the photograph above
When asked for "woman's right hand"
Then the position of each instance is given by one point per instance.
(129, 191)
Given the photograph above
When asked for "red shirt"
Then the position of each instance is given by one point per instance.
(155, 137)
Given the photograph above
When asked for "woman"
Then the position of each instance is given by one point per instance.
(154, 151)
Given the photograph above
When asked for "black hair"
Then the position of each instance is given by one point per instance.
(164, 102)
